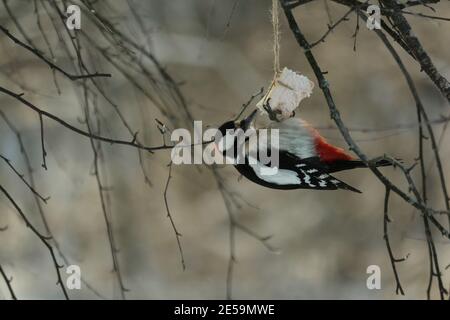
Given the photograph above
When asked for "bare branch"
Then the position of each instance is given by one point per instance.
(172, 222)
(48, 62)
(51, 116)
(43, 239)
(386, 221)
(8, 283)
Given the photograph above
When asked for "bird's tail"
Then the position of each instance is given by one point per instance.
(341, 165)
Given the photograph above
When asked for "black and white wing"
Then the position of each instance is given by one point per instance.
(292, 173)
(313, 174)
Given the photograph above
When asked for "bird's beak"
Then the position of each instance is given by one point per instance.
(248, 121)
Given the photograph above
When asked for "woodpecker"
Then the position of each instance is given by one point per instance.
(306, 159)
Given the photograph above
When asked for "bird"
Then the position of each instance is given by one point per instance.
(306, 159)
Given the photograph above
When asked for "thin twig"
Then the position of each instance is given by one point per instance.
(48, 62)
(332, 27)
(8, 283)
(21, 176)
(51, 116)
(43, 239)
(38, 200)
(109, 226)
(386, 221)
(172, 222)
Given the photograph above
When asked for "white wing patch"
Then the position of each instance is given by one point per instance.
(322, 183)
(307, 178)
(282, 177)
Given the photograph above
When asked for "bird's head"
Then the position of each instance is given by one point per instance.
(228, 131)
(243, 124)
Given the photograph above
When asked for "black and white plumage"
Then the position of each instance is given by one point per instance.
(306, 159)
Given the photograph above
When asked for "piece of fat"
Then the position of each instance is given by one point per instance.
(286, 92)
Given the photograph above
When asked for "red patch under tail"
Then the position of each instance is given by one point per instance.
(328, 152)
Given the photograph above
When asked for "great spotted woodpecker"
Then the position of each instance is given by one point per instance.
(305, 159)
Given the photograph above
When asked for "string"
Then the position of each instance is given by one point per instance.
(276, 53)
(276, 38)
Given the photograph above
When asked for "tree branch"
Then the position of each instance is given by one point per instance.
(8, 283)
(48, 62)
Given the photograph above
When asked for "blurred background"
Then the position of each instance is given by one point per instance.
(219, 53)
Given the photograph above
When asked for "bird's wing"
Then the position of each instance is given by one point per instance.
(313, 172)
(296, 137)
(310, 173)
